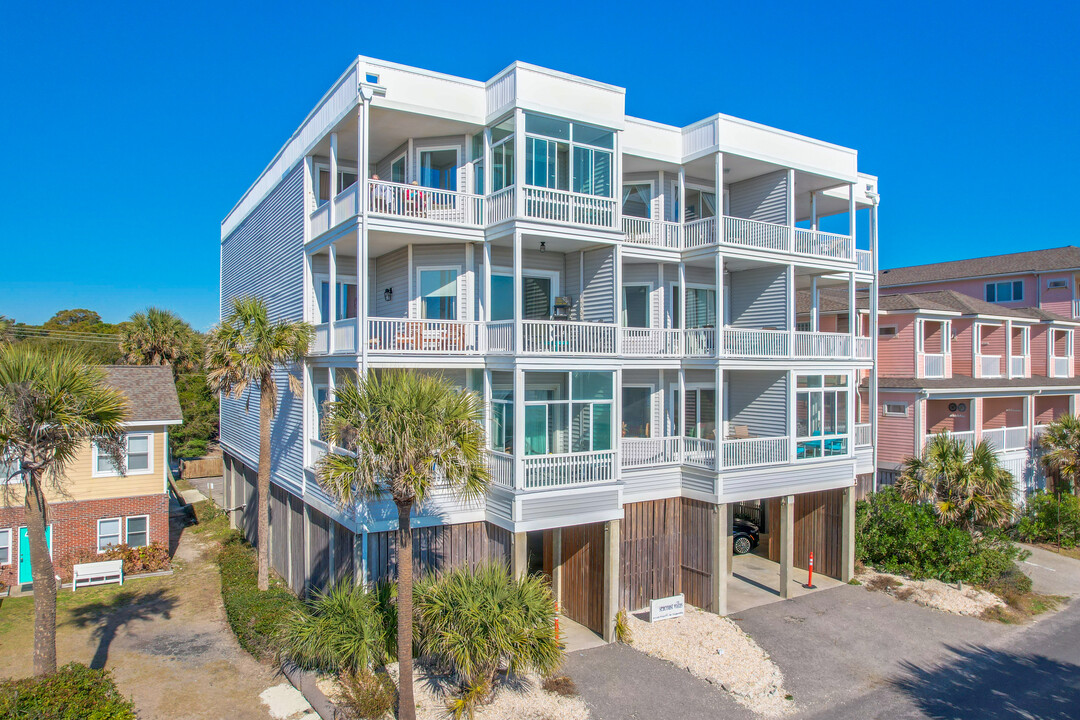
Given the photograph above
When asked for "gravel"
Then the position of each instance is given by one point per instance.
(715, 649)
(932, 593)
(520, 698)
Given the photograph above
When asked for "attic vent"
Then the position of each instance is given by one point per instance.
(1057, 284)
(371, 78)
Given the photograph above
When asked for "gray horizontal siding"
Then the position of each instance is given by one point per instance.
(789, 480)
(264, 257)
(536, 507)
(758, 298)
(760, 198)
(598, 300)
(759, 401)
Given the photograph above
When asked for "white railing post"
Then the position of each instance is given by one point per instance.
(332, 300)
(519, 428)
(791, 210)
(853, 313)
(790, 300)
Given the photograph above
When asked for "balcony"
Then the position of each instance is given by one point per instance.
(933, 365)
(863, 435)
(967, 437)
(989, 365)
(1006, 438)
(652, 233)
(1059, 366)
(652, 342)
(548, 337)
(1076, 308)
(1018, 366)
(698, 452)
(415, 203)
(864, 261)
(438, 337)
(569, 208)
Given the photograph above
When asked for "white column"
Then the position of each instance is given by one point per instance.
(815, 323)
(487, 403)
(332, 305)
(720, 562)
(485, 308)
(616, 429)
(720, 224)
(488, 190)
(791, 308)
(363, 265)
(332, 190)
(681, 215)
(853, 312)
(519, 310)
(791, 208)
(787, 544)
(470, 281)
(813, 210)
(618, 298)
(1008, 349)
(719, 306)
(519, 428)
(874, 332)
(309, 191)
(719, 419)
(519, 162)
(680, 425)
(681, 320)
(851, 213)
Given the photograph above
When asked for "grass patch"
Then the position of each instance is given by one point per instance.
(211, 521)
(72, 693)
(254, 615)
(561, 685)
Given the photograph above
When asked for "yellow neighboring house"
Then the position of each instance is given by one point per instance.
(98, 506)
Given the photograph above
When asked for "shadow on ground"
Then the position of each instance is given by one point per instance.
(108, 617)
(988, 684)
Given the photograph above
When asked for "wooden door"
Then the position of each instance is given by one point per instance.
(583, 574)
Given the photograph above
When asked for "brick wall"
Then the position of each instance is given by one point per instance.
(74, 528)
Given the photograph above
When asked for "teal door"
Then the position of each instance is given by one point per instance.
(25, 575)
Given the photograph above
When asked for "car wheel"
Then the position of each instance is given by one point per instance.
(743, 545)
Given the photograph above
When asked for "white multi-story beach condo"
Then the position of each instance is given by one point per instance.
(623, 295)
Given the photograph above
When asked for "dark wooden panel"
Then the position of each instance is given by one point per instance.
(279, 531)
(818, 528)
(343, 552)
(439, 548)
(319, 548)
(251, 502)
(297, 544)
(583, 574)
(650, 558)
(698, 524)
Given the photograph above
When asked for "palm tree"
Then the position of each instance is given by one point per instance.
(158, 337)
(50, 403)
(968, 487)
(403, 431)
(245, 350)
(1061, 440)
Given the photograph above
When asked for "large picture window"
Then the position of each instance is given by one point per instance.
(1008, 291)
(568, 412)
(821, 415)
(345, 302)
(502, 155)
(537, 294)
(438, 293)
(561, 155)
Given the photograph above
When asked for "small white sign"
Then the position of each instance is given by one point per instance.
(667, 608)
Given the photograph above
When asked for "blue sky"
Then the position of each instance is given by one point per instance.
(131, 129)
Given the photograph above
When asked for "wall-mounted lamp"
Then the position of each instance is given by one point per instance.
(387, 294)
(543, 246)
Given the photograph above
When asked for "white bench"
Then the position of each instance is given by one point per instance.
(97, 573)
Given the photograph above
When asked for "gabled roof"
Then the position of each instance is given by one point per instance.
(1063, 258)
(150, 392)
(965, 382)
(953, 301)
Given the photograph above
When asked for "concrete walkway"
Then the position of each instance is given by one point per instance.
(1052, 573)
(755, 581)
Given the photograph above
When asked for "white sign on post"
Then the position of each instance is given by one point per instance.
(667, 608)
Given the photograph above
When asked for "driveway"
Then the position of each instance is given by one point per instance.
(165, 640)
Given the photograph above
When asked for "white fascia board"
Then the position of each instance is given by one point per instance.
(149, 423)
(652, 140)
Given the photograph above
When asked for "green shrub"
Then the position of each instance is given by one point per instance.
(1045, 516)
(346, 628)
(898, 537)
(1010, 585)
(366, 695)
(478, 620)
(254, 615)
(149, 558)
(74, 692)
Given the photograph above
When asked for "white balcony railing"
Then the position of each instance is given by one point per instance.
(989, 366)
(499, 206)
(863, 435)
(822, 345)
(864, 261)
(1059, 366)
(500, 336)
(745, 342)
(570, 208)
(756, 234)
(747, 452)
(965, 436)
(501, 467)
(1076, 308)
(1007, 438)
(653, 233)
(1018, 366)
(449, 337)
(345, 336)
(321, 344)
(698, 233)
(645, 452)
(553, 471)
(428, 204)
(822, 244)
(346, 204)
(700, 342)
(863, 348)
(699, 452)
(933, 365)
(320, 220)
(651, 342)
(547, 337)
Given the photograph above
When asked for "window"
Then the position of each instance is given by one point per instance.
(568, 412)
(637, 200)
(700, 307)
(8, 468)
(699, 204)
(397, 170)
(821, 415)
(5, 546)
(886, 330)
(138, 457)
(1060, 283)
(896, 409)
(1007, 291)
(635, 306)
(137, 533)
(637, 411)
(108, 533)
(346, 178)
(439, 168)
(700, 418)
(547, 163)
(502, 412)
(502, 155)
(322, 396)
(552, 144)
(538, 295)
(345, 302)
(438, 293)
